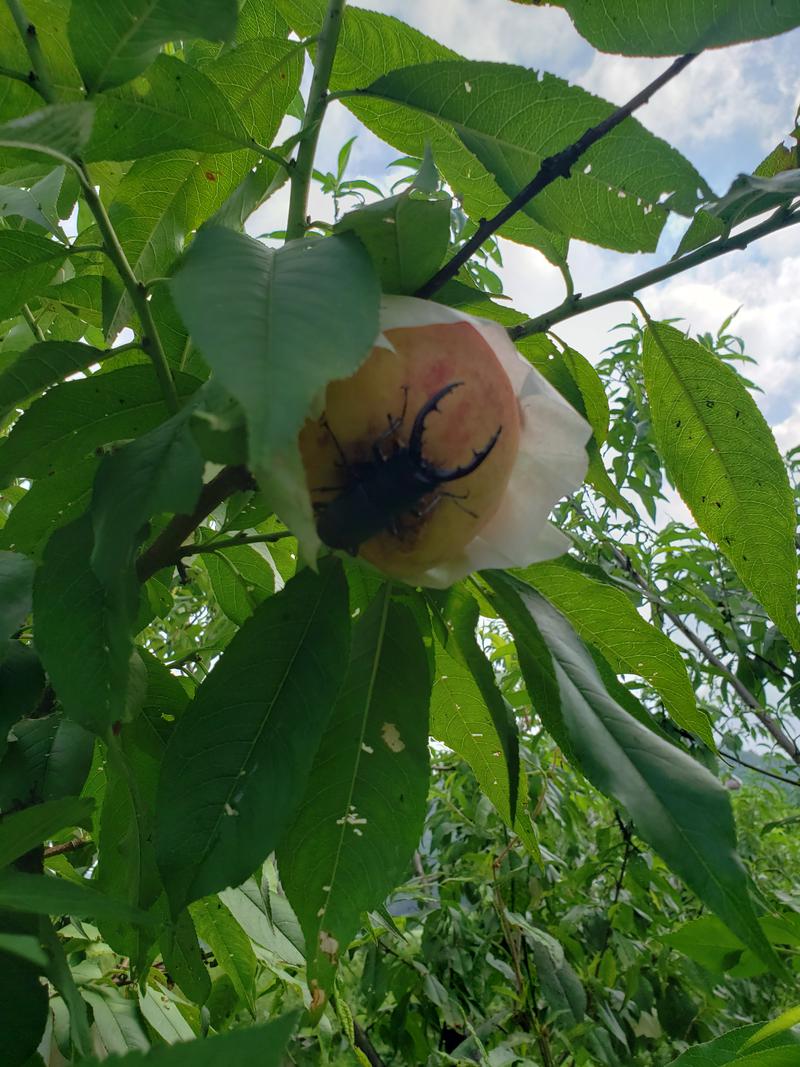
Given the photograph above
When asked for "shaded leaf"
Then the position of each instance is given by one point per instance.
(94, 632)
(676, 804)
(20, 985)
(44, 895)
(50, 503)
(27, 264)
(48, 758)
(720, 452)
(160, 471)
(363, 810)
(60, 130)
(606, 618)
(23, 830)
(226, 796)
(72, 419)
(183, 958)
(16, 587)
(44, 364)
(21, 686)
(115, 42)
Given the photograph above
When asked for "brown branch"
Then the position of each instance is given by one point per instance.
(68, 846)
(166, 549)
(363, 1042)
(555, 166)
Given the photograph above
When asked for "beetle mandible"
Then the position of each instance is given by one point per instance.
(380, 490)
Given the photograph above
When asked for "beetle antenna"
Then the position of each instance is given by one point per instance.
(418, 429)
(477, 458)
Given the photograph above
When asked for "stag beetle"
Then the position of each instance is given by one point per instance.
(379, 490)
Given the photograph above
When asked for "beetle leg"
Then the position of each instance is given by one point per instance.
(477, 458)
(457, 498)
(395, 422)
(421, 513)
(327, 426)
(418, 428)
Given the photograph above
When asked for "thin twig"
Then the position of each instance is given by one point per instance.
(29, 317)
(68, 846)
(578, 305)
(165, 551)
(363, 1042)
(233, 542)
(759, 770)
(555, 166)
(753, 703)
(315, 109)
(38, 78)
(150, 341)
(17, 75)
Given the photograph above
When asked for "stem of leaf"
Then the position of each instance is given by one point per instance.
(556, 166)
(234, 542)
(39, 79)
(150, 342)
(315, 109)
(17, 75)
(29, 317)
(577, 304)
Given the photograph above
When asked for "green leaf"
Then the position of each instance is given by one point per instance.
(230, 945)
(785, 1021)
(560, 985)
(160, 471)
(21, 987)
(226, 795)
(26, 946)
(49, 504)
(720, 452)
(60, 130)
(29, 204)
(113, 43)
(277, 326)
(163, 198)
(43, 895)
(782, 1051)
(363, 810)
(161, 1012)
(669, 27)
(240, 578)
(78, 621)
(619, 193)
(607, 618)
(264, 1045)
(677, 806)
(74, 418)
(27, 264)
(371, 44)
(184, 960)
(171, 106)
(44, 364)
(21, 686)
(116, 1020)
(407, 237)
(23, 830)
(48, 758)
(16, 585)
(462, 613)
(461, 720)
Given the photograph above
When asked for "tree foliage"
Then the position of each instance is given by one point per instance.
(259, 804)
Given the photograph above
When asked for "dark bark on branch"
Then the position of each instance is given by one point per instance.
(556, 166)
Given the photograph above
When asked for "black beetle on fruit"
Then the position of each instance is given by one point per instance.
(378, 491)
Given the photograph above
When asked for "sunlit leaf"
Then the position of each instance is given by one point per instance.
(720, 452)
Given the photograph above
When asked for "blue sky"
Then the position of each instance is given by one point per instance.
(725, 112)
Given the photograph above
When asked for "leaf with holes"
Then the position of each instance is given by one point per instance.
(363, 810)
(720, 452)
(620, 191)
